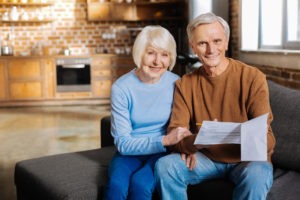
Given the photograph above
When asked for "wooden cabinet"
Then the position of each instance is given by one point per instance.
(32, 80)
(101, 71)
(24, 69)
(26, 90)
(49, 78)
(137, 10)
(122, 65)
(25, 79)
(101, 88)
(3, 80)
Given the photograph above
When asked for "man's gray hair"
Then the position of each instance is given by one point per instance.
(206, 18)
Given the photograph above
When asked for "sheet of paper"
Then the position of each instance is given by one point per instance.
(252, 135)
(254, 139)
(212, 132)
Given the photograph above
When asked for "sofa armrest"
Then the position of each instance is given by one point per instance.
(286, 127)
(105, 135)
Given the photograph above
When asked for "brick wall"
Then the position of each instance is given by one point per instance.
(287, 77)
(69, 28)
(282, 75)
(234, 28)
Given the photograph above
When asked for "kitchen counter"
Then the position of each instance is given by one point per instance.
(31, 80)
(61, 56)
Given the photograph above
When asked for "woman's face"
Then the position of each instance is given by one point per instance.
(154, 64)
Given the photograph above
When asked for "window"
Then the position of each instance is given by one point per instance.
(270, 24)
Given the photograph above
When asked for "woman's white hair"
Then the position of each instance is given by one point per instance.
(157, 37)
(206, 18)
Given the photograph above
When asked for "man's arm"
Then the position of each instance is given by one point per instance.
(180, 117)
(258, 104)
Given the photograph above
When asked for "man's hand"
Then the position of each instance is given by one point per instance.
(191, 160)
(175, 136)
(201, 146)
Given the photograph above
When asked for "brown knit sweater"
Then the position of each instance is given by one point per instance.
(240, 93)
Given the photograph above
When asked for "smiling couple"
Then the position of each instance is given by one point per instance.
(152, 110)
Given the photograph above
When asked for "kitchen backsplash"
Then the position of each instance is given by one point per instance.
(68, 28)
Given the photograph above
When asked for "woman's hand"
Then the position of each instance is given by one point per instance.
(175, 136)
(191, 160)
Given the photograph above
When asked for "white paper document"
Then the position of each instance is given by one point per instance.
(252, 135)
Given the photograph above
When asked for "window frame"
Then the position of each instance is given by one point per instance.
(285, 44)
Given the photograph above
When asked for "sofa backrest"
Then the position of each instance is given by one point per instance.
(285, 105)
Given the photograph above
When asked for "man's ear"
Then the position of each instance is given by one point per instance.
(191, 45)
(227, 43)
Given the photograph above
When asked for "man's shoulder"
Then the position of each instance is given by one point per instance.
(245, 69)
(191, 76)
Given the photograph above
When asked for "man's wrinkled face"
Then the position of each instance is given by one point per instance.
(210, 44)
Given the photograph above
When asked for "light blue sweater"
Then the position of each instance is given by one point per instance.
(140, 113)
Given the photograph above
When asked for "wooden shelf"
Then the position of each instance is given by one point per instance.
(136, 11)
(27, 4)
(27, 21)
(33, 20)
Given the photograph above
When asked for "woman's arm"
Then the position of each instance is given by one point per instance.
(121, 129)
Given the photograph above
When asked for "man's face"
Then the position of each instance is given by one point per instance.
(210, 44)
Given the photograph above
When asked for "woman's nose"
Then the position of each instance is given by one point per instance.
(156, 59)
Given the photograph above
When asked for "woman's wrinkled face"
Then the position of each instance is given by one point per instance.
(154, 64)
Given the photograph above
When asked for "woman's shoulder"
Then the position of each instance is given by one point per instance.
(172, 76)
(125, 79)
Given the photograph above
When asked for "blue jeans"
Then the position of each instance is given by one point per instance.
(253, 180)
(131, 177)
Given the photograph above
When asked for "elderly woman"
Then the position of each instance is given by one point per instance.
(141, 102)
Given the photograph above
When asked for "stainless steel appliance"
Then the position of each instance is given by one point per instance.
(73, 74)
(7, 50)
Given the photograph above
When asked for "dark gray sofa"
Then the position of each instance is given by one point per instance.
(81, 175)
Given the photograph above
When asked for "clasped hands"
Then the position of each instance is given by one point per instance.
(191, 160)
(174, 137)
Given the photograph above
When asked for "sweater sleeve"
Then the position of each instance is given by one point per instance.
(258, 104)
(181, 115)
(121, 129)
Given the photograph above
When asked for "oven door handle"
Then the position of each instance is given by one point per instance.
(77, 66)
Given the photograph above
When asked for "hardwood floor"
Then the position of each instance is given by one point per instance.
(38, 131)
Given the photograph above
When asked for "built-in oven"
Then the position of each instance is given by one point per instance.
(73, 74)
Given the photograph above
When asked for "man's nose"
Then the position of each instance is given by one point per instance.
(210, 48)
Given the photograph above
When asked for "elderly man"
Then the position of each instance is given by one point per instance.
(222, 89)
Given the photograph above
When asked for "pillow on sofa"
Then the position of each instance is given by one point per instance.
(285, 104)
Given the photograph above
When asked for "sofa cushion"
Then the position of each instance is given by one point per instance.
(106, 137)
(285, 104)
(213, 189)
(67, 176)
(285, 186)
